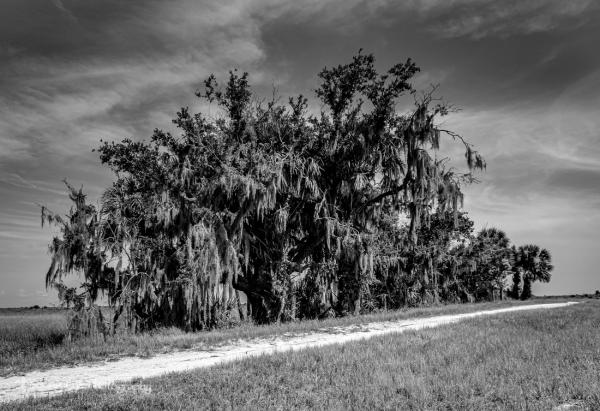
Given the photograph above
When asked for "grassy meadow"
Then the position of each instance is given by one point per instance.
(35, 339)
(532, 360)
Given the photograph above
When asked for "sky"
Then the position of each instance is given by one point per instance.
(525, 75)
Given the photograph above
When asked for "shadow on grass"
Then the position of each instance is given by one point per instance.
(48, 341)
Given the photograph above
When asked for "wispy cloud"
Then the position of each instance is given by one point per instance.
(60, 5)
(79, 98)
(488, 18)
(17, 180)
(474, 19)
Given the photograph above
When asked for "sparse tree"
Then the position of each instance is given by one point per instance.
(77, 250)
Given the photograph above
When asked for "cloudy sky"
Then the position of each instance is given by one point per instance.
(526, 75)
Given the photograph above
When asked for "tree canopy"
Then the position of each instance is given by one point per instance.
(301, 211)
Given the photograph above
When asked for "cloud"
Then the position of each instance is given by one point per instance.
(543, 175)
(63, 99)
(488, 18)
(13, 147)
(18, 181)
(15, 235)
(59, 5)
(22, 225)
(125, 64)
(475, 19)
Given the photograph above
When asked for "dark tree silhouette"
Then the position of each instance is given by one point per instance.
(535, 264)
(515, 291)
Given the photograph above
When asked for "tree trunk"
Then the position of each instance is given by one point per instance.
(262, 303)
(357, 306)
(526, 293)
(239, 306)
(516, 282)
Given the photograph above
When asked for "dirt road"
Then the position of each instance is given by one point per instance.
(59, 380)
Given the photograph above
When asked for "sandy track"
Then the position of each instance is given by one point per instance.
(60, 380)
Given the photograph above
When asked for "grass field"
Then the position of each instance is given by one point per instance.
(524, 360)
(34, 339)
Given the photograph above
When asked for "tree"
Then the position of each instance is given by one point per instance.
(491, 262)
(427, 271)
(77, 250)
(272, 201)
(535, 264)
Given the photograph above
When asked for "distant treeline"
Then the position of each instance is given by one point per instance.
(274, 212)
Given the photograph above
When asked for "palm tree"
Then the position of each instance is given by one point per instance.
(535, 263)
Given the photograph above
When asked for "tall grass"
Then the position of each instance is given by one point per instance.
(26, 332)
(518, 361)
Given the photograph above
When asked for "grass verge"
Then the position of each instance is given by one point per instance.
(523, 360)
(34, 339)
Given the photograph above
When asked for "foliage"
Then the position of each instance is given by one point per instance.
(490, 257)
(515, 291)
(534, 264)
(77, 248)
(297, 211)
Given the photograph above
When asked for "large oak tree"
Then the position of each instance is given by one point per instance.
(283, 204)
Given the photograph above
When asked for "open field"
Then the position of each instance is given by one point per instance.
(34, 339)
(522, 360)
